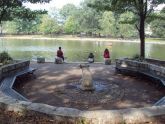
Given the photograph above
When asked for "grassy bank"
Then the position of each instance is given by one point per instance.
(155, 39)
(76, 38)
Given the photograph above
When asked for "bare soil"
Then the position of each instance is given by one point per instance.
(53, 86)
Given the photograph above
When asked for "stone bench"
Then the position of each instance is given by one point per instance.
(160, 102)
(8, 81)
(7, 84)
(11, 69)
(107, 61)
(40, 60)
(131, 67)
(59, 60)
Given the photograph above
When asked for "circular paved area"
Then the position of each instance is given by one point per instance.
(56, 85)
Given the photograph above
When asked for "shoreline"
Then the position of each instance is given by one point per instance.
(72, 38)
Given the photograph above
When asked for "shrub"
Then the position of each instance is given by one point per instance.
(136, 56)
(5, 57)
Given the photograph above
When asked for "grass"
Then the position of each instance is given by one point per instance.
(70, 37)
(155, 39)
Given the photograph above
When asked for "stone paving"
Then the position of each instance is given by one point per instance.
(55, 85)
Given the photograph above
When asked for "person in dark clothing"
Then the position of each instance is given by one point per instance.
(90, 58)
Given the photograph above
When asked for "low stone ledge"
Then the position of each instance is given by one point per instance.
(62, 114)
(141, 66)
(10, 69)
(160, 62)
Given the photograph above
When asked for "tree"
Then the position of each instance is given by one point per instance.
(141, 8)
(158, 25)
(23, 25)
(70, 25)
(88, 19)
(108, 24)
(49, 25)
(126, 25)
(68, 10)
(11, 8)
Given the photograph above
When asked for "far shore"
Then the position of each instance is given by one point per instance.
(75, 38)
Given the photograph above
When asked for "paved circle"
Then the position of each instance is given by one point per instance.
(105, 92)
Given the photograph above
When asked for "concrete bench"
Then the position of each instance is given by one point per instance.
(132, 72)
(40, 60)
(154, 77)
(8, 82)
(59, 60)
(160, 102)
(135, 68)
(107, 61)
(27, 70)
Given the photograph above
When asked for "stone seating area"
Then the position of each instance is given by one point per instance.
(137, 68)
(9, 73)
(40, 60)
(59, 60)
(107, 61)
(160, 102)
(40, 113)
(154, 72)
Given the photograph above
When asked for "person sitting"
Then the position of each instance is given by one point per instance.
(107, 57)
(60, 56)
(91, 58)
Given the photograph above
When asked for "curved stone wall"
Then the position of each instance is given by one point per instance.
(13, 68)
(141, 67)
(75, 116)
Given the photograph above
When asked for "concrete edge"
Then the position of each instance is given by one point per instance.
(129, 115)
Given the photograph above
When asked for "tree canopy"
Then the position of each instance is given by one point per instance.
(82, 20)
(11, 8)
(141, 9)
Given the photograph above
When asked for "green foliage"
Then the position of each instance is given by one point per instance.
(136, 56)
(49, 25)
(119, 22)
(70, 25)
(68, 10)
(10, 27)
(158, 28)
(24, 26)
(11, 8)
(158, 25)
(141, 9)
(5, 57)
(113, 26)
(108, 24)
(89, 19)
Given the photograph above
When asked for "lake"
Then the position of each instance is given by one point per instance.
(76, 51)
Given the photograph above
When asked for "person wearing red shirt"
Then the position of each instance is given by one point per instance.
(106, 53)
(107, 57)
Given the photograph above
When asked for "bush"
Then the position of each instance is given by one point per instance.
(136, 56)
(5, 57)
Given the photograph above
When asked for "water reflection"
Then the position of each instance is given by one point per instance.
(76, 50)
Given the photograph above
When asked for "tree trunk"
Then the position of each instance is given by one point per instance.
(142, 37)
(0, 28)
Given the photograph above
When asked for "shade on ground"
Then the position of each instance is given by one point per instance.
(55, 84)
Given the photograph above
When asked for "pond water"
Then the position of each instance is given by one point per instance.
(76, 51)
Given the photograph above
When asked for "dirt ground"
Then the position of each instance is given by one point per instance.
(54, 83)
